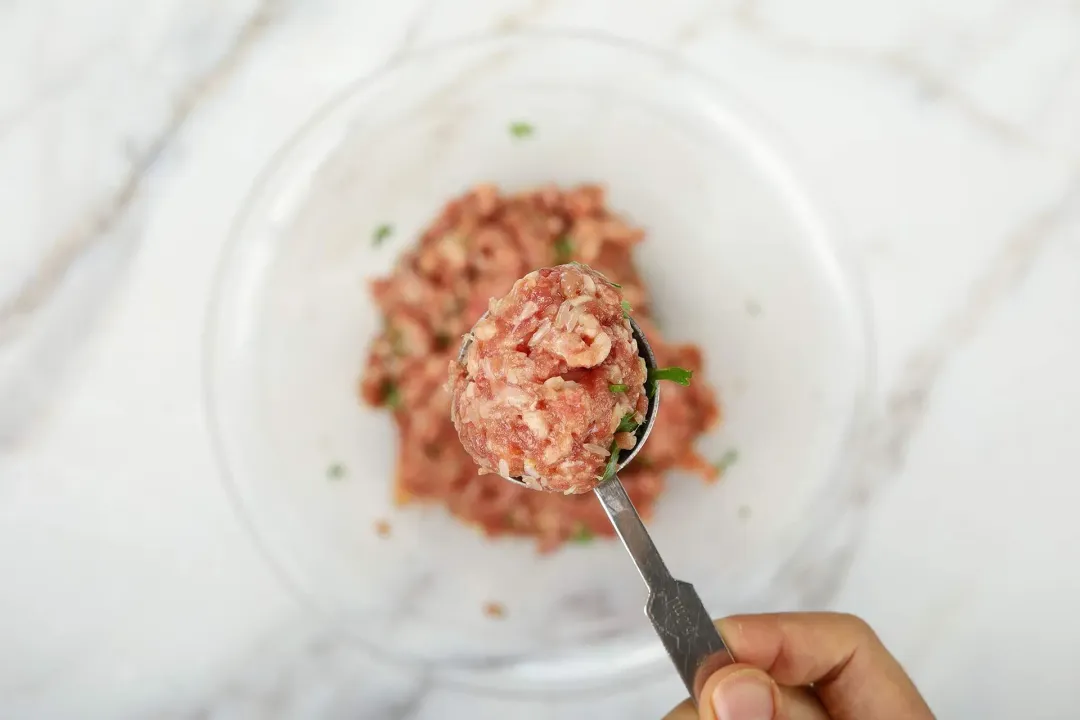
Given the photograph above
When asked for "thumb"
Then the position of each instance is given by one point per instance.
(743, 692)
(740, 692)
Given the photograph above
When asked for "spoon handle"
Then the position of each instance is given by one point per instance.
(674, 608)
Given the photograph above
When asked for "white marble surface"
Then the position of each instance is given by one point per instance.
(944, 134)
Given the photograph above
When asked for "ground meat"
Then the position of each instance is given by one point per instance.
(478, 246)
(550, 372)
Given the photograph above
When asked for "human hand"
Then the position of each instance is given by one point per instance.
(805, 666)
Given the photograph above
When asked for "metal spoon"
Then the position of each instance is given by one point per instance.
(674, 607)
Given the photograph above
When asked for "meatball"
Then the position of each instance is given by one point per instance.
(550, 373)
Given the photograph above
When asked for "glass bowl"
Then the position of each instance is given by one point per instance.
(738, 260)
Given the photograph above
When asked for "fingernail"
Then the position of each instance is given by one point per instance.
(745, 695)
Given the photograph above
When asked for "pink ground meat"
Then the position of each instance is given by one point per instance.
(550, 372)
(476, 248)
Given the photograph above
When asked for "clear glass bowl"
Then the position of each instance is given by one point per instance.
(738, 261)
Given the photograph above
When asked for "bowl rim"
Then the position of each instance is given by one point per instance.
(770, 148)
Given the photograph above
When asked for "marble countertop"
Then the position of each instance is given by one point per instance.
(945, 136)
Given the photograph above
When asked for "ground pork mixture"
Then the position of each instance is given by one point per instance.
(475, 250)
(550, 373)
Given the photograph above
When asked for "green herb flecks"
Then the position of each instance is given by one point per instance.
(336, 471)
(613, 461)
(617, 388)
(677, 375)
(626, 308)
(564, 250)
(442, 340)
(726, 460)
(674, 374)
(627, 424)
(581, 534)
(381, 233)
(521, 129)
(391, 397)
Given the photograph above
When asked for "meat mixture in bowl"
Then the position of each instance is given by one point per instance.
(550, 374)
(475, 250)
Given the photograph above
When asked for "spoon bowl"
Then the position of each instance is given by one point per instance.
(643, 430)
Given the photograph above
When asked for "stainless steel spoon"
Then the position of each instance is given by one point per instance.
(674, 607)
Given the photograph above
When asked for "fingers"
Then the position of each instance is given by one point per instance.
(853, 675)
(798, 648)
(852, 672)
(742, 692)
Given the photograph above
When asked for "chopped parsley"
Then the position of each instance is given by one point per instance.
(335, 471)
(381, 233)
(617, 388)
(613, 461)
(726, 460)
(521, 129)
(627, 424)
(614, 284)
(674, 374)
(626, 308)
(581, 534)
(564, 250)
(391, 396)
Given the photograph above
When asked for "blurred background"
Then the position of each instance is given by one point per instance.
(945, 139)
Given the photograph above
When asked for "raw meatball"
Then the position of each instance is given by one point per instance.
(552, 370)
